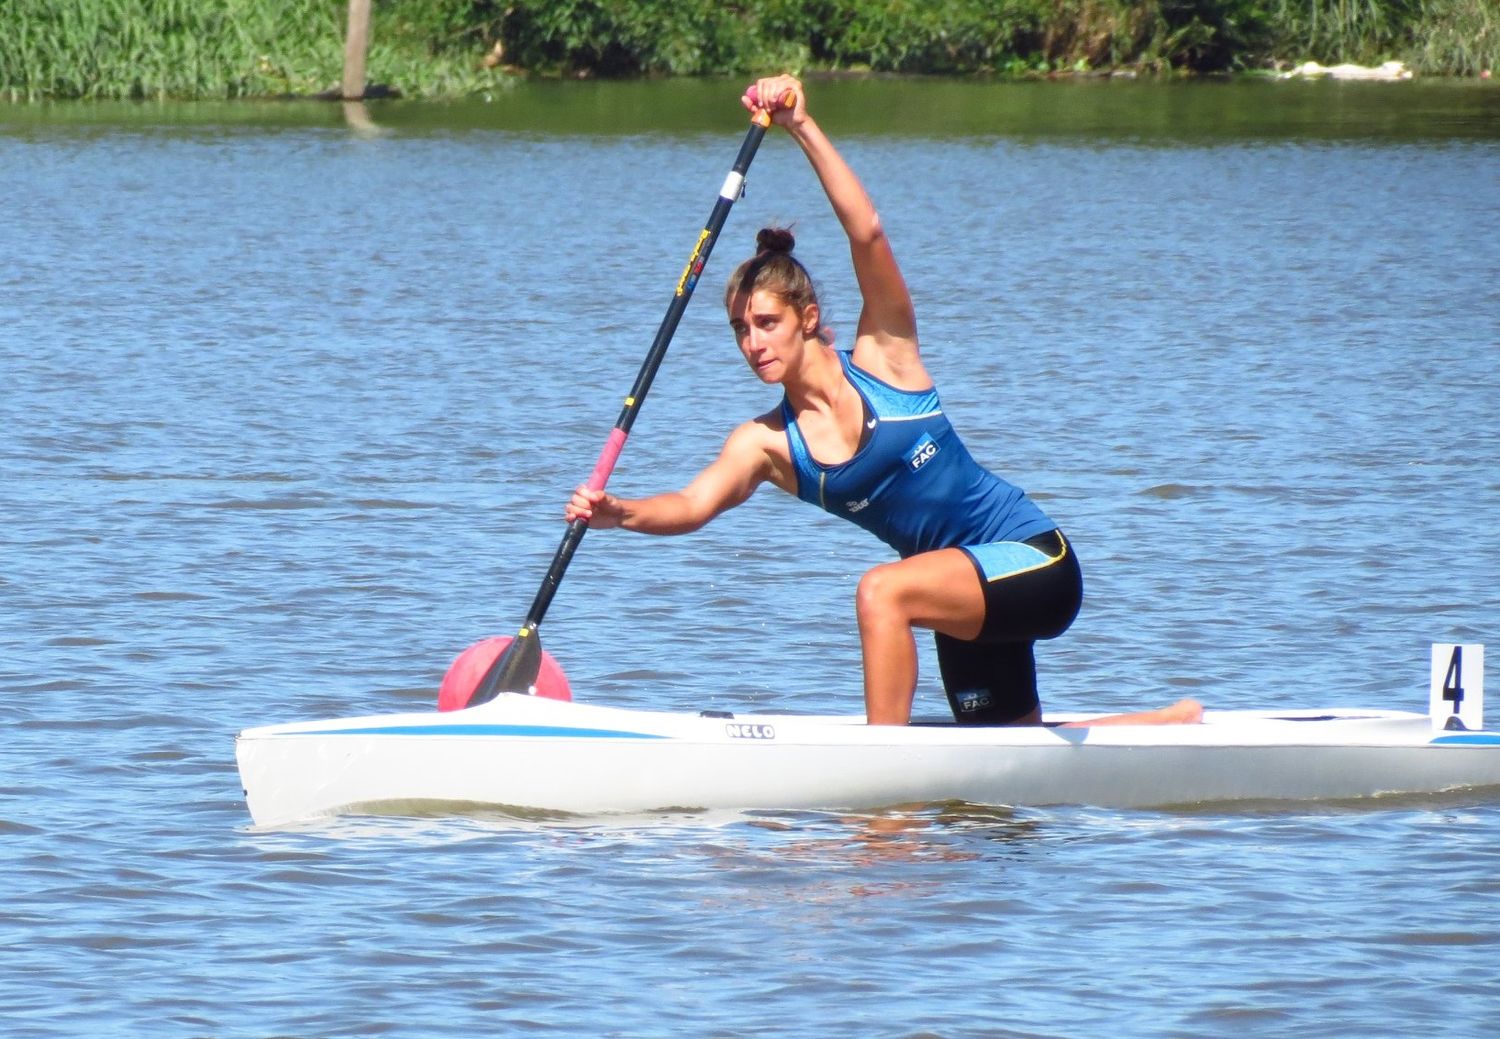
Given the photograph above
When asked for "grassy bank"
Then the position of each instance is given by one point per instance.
(437, 48)
(228, 48)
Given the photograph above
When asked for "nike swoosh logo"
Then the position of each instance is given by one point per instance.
(871, 424)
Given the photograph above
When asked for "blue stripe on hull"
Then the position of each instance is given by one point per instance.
(1474, 739)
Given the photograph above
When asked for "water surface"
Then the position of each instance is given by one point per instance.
(289, 412)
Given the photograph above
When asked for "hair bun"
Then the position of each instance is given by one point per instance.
(775, 240)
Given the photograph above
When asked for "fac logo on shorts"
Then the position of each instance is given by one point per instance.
(973, 700)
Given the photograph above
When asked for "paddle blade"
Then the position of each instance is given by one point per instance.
(526, 669)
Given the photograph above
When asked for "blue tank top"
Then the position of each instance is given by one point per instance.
(912, 483)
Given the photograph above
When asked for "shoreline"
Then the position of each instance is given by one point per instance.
(1308, 71)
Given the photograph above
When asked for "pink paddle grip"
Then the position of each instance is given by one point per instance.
(607, 458)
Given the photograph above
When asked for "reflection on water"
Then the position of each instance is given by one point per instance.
(357, 117)
(1086, 109)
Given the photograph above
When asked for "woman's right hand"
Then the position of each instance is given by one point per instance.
(599, 509)
(783, 97)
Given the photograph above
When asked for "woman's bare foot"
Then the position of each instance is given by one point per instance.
(1186, 711)
(1183, 712)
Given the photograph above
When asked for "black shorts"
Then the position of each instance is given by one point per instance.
(1028, 595)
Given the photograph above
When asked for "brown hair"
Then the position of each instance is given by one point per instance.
(774, 269)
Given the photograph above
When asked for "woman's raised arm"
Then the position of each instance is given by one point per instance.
(887, 320)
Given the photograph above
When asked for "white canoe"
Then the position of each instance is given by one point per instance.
(526, 752)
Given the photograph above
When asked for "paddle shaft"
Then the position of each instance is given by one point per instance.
(516, 669)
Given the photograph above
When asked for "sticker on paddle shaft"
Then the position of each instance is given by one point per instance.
(1455, 698)
(734, 186)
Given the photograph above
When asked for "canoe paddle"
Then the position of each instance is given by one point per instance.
(515, 670)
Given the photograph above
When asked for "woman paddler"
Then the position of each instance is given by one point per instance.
(862, 434)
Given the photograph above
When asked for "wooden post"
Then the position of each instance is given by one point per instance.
(355, 46)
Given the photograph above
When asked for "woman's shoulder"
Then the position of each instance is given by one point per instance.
(763, 442)
(768, 429)
(764, 433)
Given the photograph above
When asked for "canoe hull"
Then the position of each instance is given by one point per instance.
(530, 753)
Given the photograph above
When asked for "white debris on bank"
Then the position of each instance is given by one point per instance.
(1388, 70)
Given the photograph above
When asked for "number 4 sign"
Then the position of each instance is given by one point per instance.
(1456, 696)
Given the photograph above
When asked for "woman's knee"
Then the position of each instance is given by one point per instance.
(878, 595)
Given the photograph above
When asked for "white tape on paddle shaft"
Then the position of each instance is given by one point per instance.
(1457, 687)
(733, 185)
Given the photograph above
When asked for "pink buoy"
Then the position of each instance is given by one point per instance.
(468, 668)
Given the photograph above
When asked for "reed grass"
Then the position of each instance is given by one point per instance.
(1434, 37)
(1458, 38)
(165, 48)
(224, 48)
(1333, 31)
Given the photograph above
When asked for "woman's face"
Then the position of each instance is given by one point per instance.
(771, 333)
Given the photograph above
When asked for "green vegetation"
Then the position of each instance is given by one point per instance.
(438, 48)
(227, 48)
